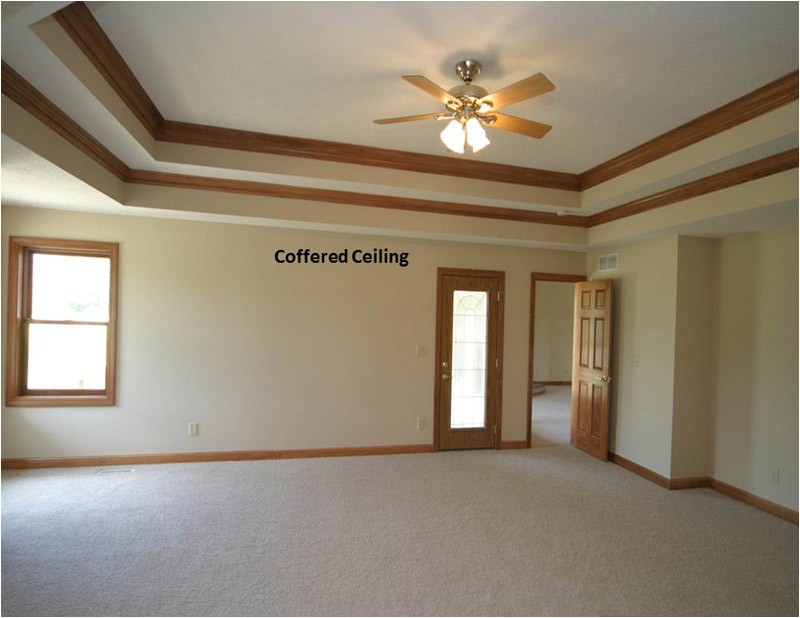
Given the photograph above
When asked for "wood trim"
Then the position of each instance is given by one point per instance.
(500, 275)
(760, 101)
(554, 382)
(19, 300)
(78, 22)
(332, 196)
(252, 141)
(21, 92)
(693, 482)
(26, 463)
(531, 339)
(754, 170)
(513, 444)
(712, 483)
(646, 473)
(753, 500)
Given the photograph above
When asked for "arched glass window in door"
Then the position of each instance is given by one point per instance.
(468, 391)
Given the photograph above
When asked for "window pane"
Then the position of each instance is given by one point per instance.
(71, 357)
(468, 390)
(70, 287)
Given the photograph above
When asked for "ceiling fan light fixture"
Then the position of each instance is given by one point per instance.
(454, 136)
(476, 136)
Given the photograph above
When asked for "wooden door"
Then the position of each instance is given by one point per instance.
(468, 359)
(591, 364)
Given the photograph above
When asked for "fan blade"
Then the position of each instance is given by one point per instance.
(406, 118)
(525, 89)
(428, 86)
(520, 125)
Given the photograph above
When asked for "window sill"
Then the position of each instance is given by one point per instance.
(59, 401)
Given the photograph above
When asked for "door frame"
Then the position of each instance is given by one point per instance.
(441, 272)
(558, 277)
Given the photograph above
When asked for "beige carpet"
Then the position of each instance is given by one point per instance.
(552, 416)
(549, 531)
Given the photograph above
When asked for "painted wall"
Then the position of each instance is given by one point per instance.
(692, 389)
(755, 423)
(268, 356)
(552, 350)
(643, 350)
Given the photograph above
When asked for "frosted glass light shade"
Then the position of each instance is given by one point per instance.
(453, 137)
(476, 136)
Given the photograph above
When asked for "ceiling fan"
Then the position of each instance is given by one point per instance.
(469, 108)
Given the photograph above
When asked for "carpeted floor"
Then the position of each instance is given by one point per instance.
(547, 531)
(552, 416)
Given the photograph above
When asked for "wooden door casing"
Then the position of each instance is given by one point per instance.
(591, 365)
(491, 282)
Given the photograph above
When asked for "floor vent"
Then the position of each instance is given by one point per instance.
(113, 470)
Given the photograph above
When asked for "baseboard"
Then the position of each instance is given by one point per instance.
(753, 500)
(651, 476)
(24, 463)
(706, 481)
(554, 382)
(511, 444)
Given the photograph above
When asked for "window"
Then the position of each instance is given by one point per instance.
(62, 308)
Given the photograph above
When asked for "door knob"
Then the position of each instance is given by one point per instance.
(602, 378)
(445, 376)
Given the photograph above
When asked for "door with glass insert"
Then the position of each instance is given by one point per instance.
(468, 358)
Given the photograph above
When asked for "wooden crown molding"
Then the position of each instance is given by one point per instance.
(332, 196)
(34, 102)
(744, 173)
(771, 96)
(78, 22)
(19, 90)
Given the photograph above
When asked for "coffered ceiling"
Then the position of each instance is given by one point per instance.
(270, 105)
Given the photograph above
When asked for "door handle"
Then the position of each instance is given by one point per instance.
(445, 376)
(602, 378)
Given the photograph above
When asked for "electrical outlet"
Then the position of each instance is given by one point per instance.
(776, 476)
(194, 428)
(420, 423)
(422, 350)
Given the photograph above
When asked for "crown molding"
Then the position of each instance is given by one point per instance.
(760, 101)
(737, 175)
(249, 187)
(78, 22)
(21, 92)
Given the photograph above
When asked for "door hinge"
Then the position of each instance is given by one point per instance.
(497, 363)
(498, 296)
(495, 430)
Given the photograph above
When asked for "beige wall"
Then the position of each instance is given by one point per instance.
(755, 422)
(266, 356)
(692, 392)
(644, 330)
(552, 351)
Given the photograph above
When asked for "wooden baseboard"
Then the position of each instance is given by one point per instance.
(753, 500)
(25, 463)
(651, 476)
(706, 481)
(511, 444)
(554, 382)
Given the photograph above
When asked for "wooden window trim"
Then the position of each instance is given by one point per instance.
(21, 250)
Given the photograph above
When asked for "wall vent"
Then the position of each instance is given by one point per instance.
(608, 262)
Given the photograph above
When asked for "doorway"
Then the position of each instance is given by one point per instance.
(469, 359)
(550, 358)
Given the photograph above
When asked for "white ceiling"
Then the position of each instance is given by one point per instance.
(624, 72)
